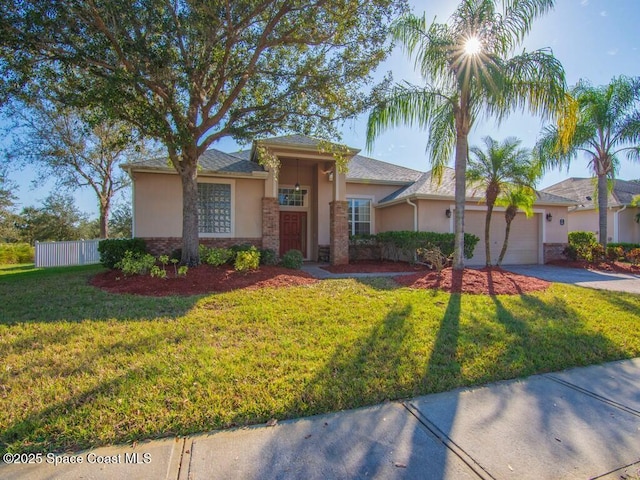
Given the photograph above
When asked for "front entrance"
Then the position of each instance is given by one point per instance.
(293, 232)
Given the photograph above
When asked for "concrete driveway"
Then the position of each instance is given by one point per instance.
(617, 282)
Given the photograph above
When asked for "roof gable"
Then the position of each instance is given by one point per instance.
(583, 192)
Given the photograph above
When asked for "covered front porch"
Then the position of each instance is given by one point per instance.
(304, 205)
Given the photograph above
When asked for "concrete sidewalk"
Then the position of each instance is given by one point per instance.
(581, 423)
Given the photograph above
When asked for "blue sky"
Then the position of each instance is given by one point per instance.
(594, 40)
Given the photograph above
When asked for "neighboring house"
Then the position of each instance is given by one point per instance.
(621, 216)
(309, 206)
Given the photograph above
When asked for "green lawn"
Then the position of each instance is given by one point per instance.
(81, 367)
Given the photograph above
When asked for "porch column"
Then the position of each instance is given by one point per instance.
(271, 224)
(339, 232)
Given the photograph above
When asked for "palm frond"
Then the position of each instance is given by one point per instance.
(405, 105)
(517, 19)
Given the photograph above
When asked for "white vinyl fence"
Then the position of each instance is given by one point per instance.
(62, 254)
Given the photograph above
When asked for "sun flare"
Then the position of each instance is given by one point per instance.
(472, 46)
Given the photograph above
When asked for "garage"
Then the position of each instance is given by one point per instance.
(524, 240)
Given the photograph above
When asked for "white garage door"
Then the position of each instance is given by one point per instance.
(524, 239)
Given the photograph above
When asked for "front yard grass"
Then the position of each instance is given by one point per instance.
(81, 367)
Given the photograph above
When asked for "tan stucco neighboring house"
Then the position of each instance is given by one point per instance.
(621, 215)
(309, 205)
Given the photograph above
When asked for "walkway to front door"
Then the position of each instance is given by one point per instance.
(293, 232)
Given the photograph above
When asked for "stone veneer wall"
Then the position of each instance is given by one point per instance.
(271, 224)
(553, 251)
(166, 245)
(339, 232)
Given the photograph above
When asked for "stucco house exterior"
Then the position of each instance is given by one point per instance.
(621, 216)
(309, 205)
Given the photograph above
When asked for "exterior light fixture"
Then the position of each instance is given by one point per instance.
(447, 212)
(549, 217)
(297, 187)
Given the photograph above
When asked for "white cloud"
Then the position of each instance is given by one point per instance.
(612, 52)
(603, 13)
(584, 3)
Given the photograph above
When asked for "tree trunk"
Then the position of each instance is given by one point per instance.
(603, 194)
(104, 221)
(460, 194)
(190, 240)
(509, 215)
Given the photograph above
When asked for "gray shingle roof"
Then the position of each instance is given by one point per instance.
(583, 192)
(364, 168)
(211, 161)
(429, 186)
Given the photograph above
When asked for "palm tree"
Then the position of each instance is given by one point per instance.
(468, 71)
(501, 166)
(519, 198)
(608, 123)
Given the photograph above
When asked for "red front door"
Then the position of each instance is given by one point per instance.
(293, 232)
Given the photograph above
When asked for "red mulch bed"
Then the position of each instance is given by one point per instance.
(618, 267)
(369, 266)
(199, 280)
(488, 281)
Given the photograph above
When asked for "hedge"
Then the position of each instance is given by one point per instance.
(397, 244)
(112, 250)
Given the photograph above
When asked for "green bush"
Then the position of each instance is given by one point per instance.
(626, 247)
(615, 253)
(292, 259)
(268, 257)
(634, 256)
(398, 243)
(112, 251)
(216, 256)
(158, 272)
(134, 263)
(579, 239)
(16, 253)
(247, 260)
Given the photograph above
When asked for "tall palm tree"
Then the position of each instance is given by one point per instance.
(468, 71)
(501, 166)
(519, 198)
(608, 124)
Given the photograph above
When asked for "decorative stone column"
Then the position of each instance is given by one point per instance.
(339, 232)
(271, 224)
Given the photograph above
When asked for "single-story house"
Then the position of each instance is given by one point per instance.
(310, 206)
(621, 216)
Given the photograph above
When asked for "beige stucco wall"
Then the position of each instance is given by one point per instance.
(587, 221)
(553, 231)
(629, 229)
(158, 205)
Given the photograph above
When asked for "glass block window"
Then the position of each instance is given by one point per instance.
(214, 208)
(359, 216)
(288, 197)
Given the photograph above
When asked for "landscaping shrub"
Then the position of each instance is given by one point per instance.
(112, 251)
(582, 238)
(434, 257)
(216, 256)
(634, 256)
(16, 253)
(292, 259)
(395, 245)
(134, 263)
(268, 257)
(615, 253)
(158, 272)
(247, 260)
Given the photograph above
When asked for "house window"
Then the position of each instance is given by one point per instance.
(359, 216)
(214, 208)
(288, 197)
